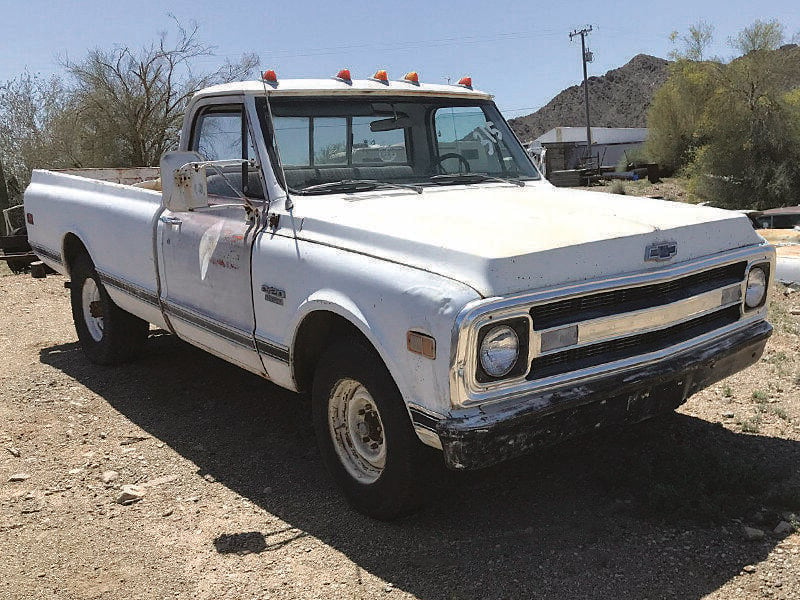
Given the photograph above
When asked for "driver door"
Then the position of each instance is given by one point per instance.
(205, 253)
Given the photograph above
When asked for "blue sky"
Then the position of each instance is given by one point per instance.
(519, 51)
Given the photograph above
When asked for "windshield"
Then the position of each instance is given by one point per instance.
(332, 145)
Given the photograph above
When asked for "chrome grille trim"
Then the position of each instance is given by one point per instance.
(621, 325)
(622, 348)
(635, 297)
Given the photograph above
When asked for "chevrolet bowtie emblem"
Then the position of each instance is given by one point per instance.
(661, 251)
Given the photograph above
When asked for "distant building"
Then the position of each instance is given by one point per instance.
(565, 147)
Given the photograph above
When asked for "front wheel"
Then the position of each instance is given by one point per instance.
(365, 434)
(108, 334)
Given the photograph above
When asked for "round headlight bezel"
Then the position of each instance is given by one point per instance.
(755, 294)
(499, 335)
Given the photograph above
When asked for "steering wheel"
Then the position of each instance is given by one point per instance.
(449, 155)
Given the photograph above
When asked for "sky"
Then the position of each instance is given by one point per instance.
(518, 51)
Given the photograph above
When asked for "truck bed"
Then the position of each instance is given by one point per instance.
(114, 221)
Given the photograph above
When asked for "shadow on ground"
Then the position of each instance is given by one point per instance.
(638, 513)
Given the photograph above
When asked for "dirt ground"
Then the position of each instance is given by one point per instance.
(238, 506)
(668, 188)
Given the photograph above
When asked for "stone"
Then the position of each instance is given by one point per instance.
(209, 478)
(161, 480)
(783, 528)
(728, 415)
(129, 440)
(14, 452)
(109, 476)
(749, 568)
(753, 534)
(130, 494)
(17, 477)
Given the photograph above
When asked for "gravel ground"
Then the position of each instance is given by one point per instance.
(237, 505)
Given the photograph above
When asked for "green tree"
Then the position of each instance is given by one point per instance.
(734, 128)
(761, 35)
(750, 157)
(694, 43)
(677, 111)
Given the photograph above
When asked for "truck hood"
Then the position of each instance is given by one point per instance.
(501, 239)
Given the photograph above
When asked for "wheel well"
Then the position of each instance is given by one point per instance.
(73, 247)
(314, 335)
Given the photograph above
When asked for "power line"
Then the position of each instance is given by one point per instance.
(404, 45)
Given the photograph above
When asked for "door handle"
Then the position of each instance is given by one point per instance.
(172, 221)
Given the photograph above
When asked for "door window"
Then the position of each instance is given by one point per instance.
(221, 133)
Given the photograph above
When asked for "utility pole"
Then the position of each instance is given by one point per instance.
(584, 56)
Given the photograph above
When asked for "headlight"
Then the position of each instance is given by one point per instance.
(756, 288)
(499, 350)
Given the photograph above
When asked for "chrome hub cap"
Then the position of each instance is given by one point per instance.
(357, 430)
(92, 308)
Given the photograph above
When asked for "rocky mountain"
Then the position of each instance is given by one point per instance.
(620, 98)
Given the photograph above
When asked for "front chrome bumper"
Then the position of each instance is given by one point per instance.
(504, 430)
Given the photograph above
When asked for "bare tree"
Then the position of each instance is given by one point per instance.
(761, 35)
(130, 102)
(694, 43)
(31, 123)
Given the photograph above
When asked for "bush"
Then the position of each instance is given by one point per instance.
(635, 157)
(733, 129)
(618, 187)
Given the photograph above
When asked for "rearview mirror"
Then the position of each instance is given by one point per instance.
(390, 124)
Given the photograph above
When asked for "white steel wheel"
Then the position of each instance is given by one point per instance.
(92, 303)
(357, 431)
(108, 334)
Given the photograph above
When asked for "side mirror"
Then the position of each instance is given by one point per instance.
(183, 178)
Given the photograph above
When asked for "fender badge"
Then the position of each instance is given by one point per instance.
(273, 294)
(660, 251)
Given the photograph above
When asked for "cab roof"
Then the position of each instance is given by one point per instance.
(336, 87)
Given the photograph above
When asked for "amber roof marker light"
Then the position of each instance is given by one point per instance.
(465, 82)
(344, 76)
(411, 77)
(269, 77)
(381, 76)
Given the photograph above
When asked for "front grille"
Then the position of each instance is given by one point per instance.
(602, 304)
(627, 347)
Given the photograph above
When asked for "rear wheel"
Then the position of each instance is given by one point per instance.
(108, 334)
(365, 434)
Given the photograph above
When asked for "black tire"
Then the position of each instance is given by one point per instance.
(399, 486)
(120, 335)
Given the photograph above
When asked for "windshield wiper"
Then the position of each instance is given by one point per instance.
(456, 178)
(356, 185)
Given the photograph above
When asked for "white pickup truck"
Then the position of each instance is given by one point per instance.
(389, 247)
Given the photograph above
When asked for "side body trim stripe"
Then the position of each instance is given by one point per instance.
(236, 336)
(422, 419)
(47, 253)
(129, 288)
(280, 353)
